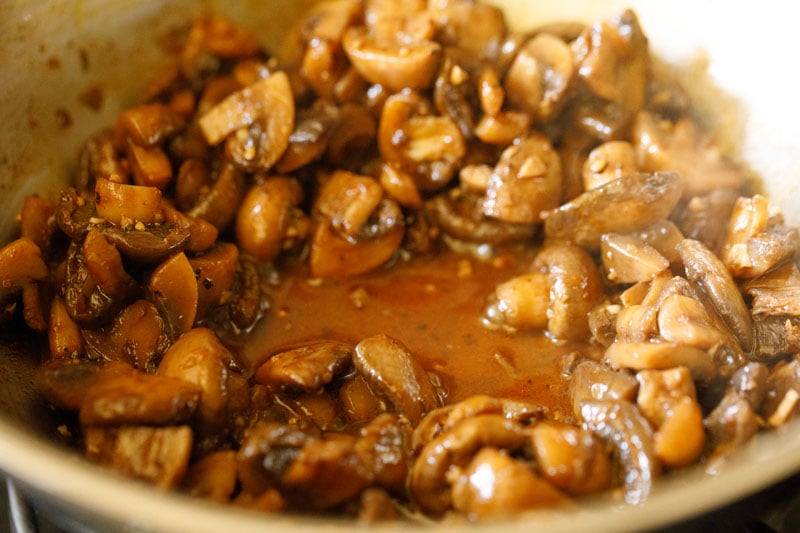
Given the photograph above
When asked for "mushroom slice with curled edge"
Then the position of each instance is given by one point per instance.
(684, 320)
(575, 288)
(708, 271)
(756, 239)
(592, 381)
(307, 367)
(152, 244)
(393, 371)
(394, 65)
(660, 356)
(623, 426)
(571, 458)
(631, 203)
(459, 214)
(256, 121)
(680, 147)
(429, 480)
(612, 60)
(495, 484)
(427, 146)
(526, 182)
(159, 455)
(538, 78)
(629, 259)
(355, 229)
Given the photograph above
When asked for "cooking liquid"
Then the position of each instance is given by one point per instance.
(434, 306)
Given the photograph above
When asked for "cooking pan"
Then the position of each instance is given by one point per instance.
(67, 67)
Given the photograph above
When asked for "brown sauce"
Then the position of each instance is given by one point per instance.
(434, 306)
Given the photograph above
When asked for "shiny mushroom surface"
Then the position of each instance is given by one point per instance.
(413, 266)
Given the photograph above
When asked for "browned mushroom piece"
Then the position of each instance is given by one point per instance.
(459, 214)
(356, 229)
(138, 398)
(150, 125)
(781, 401)
(211, 38)
(352, 138)
(37, 221)
(214, 271)
(593, 381)
(478, 28)
(661, 356)
(757, 239)
(267, 214)
(455, 91)
(198, 358)
(629, 259)
(667, 398)
(392, 370)
(539, 77)
(703, 267)
(776, 293)
(125, 205)
(309, 139)
(429, 147)
(575, 288)
(64, 381)
(86, 303)
(429, 482)
(64, 337)
(612, 60)
(159, 455)
(101, 157)
(525, 183)
(137, 336)
(21, 263)
(202, 234)
(494, 484)
(700, 217)
(682, 148)
(571, 458)
(219, 203)
(212, 477)
(631, 203)
(607, 162)
(622, 425)
(390, 62)
(307, 367)
(520, 302)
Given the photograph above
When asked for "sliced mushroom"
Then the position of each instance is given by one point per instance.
(685, 321)
(199, 359)
(219, 204)
(538, 78)
(520, 302)
(125, 205)
(608, 162)
(158, 455)
(525, 183)
(624, 427)
(64, 382)
(307, 367)
(391, 369)
(495, 484)
(37, 220)
(631, 203)
(138, 398)
(150, 125)
(756, 239)
(700, 217)
(703, 267)
(266, 215)
(571, 458)
(630, 260)
(395, 67)
(21, 263)
(136, 335)
(575, 288)
(613, 60)
(478, 28)
(428, 480)
(661, 356)
(64, 336)
(460, 215)
(429, 147)
(593, 381)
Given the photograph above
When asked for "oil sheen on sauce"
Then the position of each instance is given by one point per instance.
(434, 307)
